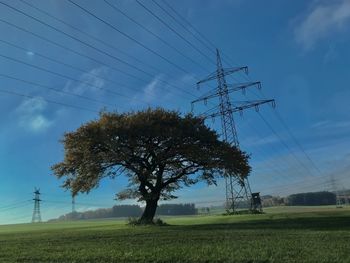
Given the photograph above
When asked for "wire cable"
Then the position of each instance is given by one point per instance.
(46, 100)
(89, 35)
(56, 90)
(117, 9)
(63, 76)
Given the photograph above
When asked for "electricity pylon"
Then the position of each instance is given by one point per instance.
(335, 190)
(238, 192)
(36, 218)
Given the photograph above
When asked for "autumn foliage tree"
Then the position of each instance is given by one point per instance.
(159, 151)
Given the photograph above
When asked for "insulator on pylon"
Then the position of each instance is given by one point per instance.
(273, 104)
(246, 71)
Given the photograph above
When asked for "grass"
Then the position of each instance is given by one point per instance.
(320, 234)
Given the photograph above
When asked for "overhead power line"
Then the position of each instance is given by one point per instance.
(139, 43)
(56, 90)
(285, 145)
(10, 92)
(212, 45)
(62, 75)
(107, 44)
(89, 73)
(130, 38)
(174, 31)
(94, 59)
(117, 9)
(210, 48)
(89, 45)
(77, 39)
(279, 117)
(202, 38)
(66, 48)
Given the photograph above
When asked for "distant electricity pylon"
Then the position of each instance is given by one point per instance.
(238, 190)
(36, 212)
(338, 201)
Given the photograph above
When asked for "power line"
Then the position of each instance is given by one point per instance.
(138, 42)
(283, 143)
(286, 160)
(67, 65)
(71, 50)
(88, 34)
(195, 30)
(174, 31)
(129, 37)
(117, 9)
(26, 203)
(46, 100)
(211, 46)
(91, 58)
(77, 39)
(62, 75)
(284, 124)
(279, 117)
(211, 49)
(13, 204)
(55, 90)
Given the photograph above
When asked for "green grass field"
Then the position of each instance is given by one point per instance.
(286, 234)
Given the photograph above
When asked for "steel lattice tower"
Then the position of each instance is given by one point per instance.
(36, 212)
(238, 190)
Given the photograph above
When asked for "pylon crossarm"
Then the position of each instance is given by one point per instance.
(243, 86)
(224, 72)
(229, 71)
(242, 105)
(205, 97)
(231, 88)
(210, 77)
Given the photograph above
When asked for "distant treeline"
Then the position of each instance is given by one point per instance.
(177, 209)
(310, 198)
(315, 198)
(129, 211)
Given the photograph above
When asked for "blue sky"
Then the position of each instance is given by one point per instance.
(299, 50)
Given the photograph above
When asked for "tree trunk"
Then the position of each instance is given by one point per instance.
(149, 212)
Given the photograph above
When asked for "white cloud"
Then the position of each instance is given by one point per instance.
(150, 90)
(323, 20)
(161, 91)
(327, 124)
(90, 82)
(31, 115)
(30, 53)
(255, 141)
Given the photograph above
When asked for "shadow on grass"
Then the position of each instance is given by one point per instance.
(332, 223)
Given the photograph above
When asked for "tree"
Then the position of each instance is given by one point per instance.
(159, 151)
(312, 198)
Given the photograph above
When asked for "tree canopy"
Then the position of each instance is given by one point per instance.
(159, 151)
